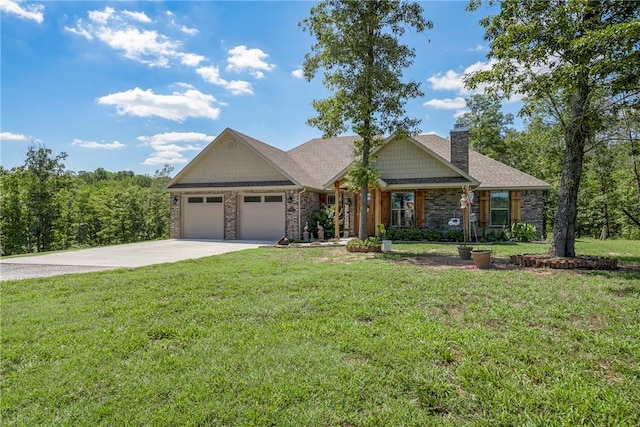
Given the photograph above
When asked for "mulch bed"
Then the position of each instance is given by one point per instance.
(548, 261)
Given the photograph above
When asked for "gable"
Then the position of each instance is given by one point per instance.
(229, 160)
(402, 159)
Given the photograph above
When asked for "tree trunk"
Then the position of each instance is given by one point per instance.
(576, 135)
(363, 232)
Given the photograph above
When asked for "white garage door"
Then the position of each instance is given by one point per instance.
(262, 217)
(204, 217)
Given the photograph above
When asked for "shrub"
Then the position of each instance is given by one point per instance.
(523, 232)
(326, 218)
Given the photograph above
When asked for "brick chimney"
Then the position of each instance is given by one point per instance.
(460, 147)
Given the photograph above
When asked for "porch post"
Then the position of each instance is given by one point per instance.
(336, 218)
(377, 215)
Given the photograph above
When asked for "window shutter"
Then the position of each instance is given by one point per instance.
(419, 208)
(385, 204)
(323, 200)
(515, 206)
(484, 209)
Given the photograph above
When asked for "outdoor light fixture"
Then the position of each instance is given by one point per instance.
(174, 200)
(290, 199)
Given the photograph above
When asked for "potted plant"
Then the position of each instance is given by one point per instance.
(386, 244)
(481, 258)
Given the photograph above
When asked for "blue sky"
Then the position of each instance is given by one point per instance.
(136, 85)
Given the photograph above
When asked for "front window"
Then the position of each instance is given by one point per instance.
(402, 210)
(499, 206)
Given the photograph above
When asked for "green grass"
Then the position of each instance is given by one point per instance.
(321, 337)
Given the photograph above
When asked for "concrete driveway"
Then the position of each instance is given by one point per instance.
(119, 256)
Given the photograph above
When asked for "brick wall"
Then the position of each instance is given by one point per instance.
(230, 199)
(175, 225)
(532, 203)
(440, 206)
(460, 149)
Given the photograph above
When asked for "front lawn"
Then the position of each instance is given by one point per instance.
(323, 337)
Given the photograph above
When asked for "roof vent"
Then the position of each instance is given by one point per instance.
(231, 144)
(459, 127)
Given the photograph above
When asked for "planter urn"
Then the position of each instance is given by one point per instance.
(481, 258)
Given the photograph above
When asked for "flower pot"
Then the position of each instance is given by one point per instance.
(464, 252)
(481, 258)
(386, 246)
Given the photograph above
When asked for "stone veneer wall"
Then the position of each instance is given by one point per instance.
(440, 206)
(175, 224)
(532, 209)
(230, 200)
(309, 203)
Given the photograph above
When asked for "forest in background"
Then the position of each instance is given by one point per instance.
(44, 207)
(609, 193)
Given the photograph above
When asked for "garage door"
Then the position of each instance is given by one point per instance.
(262, 217)
(204, 217)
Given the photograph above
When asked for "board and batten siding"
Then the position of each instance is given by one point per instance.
(401, 159)
(232, 161)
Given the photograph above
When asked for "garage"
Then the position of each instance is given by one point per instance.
(262, 217)
(204, 217)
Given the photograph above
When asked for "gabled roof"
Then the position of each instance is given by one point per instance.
(491, 173)
(279, 159)
(318, 162)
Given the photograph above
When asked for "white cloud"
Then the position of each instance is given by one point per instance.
(298, 74)
(248, 59)
(212, 75)
(447, 103)
(191, 59)
(189, 31)
(449, 81)
(168, 148)
(99, 145)
(478, 48)
(32, 11)
(119, 31)
(177, 106)
(137, 16)
(8, 136)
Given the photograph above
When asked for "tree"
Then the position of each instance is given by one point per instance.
(543, 49)
(358, 46)
(488, 126)
(47, 173)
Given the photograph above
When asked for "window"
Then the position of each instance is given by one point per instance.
(215, 199)
(273, 199)
(499, 208)
(331, 199)
(252, 199)
(195, 200)
(402, 210)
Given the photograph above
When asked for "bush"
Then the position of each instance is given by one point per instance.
(523, 232)
(326, 218)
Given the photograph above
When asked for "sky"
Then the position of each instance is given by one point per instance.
(138, 85)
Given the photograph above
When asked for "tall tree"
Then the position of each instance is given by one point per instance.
(488, 126)
(47, 173)
(358, 46)
(541, 48)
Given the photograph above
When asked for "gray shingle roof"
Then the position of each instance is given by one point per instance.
(317, 161)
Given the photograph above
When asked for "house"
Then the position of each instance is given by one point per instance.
(241, 188)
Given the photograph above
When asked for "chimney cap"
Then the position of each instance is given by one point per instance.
(459, 127)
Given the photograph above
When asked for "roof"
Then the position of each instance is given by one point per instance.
(317, 162)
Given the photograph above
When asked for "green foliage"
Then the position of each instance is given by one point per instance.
(368, 242)
(44, 207)
(311, 337)
(357, 45)
(523, 232)
(326, 218)
(571, 55)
